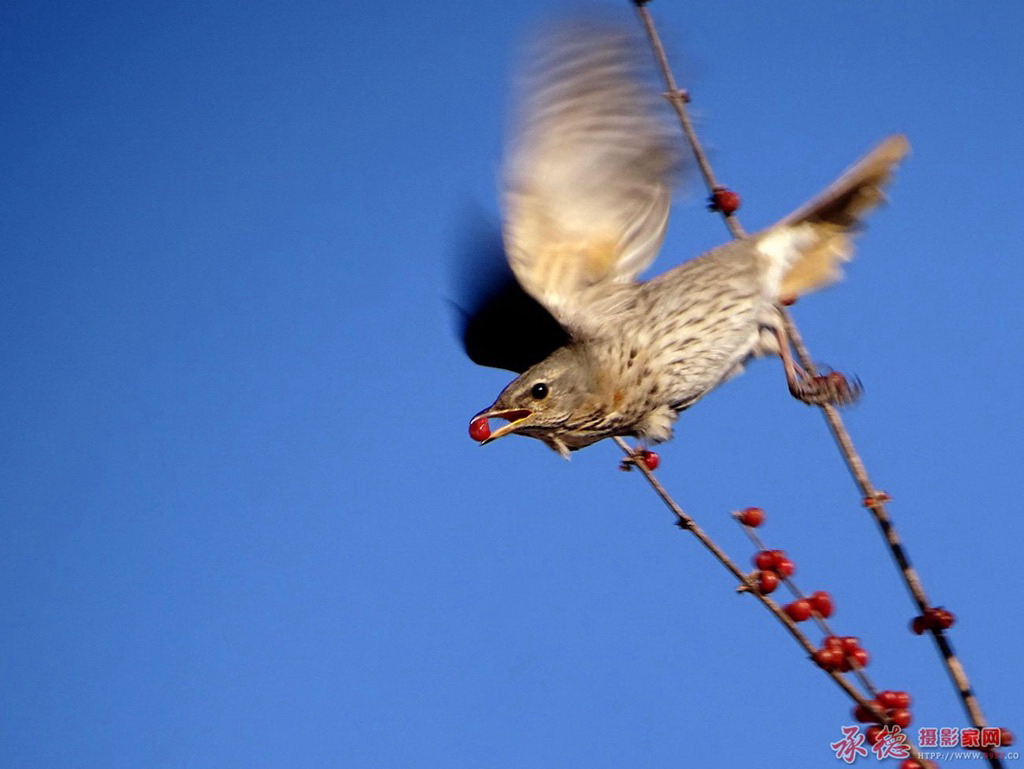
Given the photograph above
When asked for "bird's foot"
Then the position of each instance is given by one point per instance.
(832, 388)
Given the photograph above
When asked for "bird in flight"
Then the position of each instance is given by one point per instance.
(586, 187)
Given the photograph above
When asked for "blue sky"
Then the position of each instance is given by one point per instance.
(242, 521)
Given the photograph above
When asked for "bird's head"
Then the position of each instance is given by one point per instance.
(548, 402)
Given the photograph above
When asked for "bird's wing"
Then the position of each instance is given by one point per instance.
(587, 177)
(809, 247)
(499, 323)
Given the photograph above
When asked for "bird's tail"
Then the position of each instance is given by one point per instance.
(819, 234)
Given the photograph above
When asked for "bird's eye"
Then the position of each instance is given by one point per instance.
(539, 391)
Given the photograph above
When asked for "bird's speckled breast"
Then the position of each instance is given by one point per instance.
(687, 331)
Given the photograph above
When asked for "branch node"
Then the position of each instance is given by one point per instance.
(677, 96)
(877, 499)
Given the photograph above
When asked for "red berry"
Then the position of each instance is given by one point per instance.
(799, 610)
(865, 715)
(767, 581)
(850, 644)
(911, 763)
(821, 602)
(752, 516)
(860, 657)
(784, 566)
(1005, 737)
(827, 659)
(724, 200)
(650, 458)
(765, 560)
(900, 717)
(889, 699)
(935, 618)
(479, 429)
(871, 734)
(832, 642)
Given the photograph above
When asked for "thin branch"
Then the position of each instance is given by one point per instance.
(679, 98)
(686, 523)
(874, 500)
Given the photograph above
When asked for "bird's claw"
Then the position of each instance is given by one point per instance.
(832, 388)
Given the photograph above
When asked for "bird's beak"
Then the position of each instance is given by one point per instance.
(515, 418)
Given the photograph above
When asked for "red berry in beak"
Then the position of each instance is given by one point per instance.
(479, 429)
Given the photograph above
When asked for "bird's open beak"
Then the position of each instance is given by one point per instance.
(515, 418)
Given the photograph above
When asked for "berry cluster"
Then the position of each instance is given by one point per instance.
(894, 706)
(837, 654)
(841, 654)
(888, 713)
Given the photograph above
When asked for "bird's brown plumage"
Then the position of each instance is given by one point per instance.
(587, 185)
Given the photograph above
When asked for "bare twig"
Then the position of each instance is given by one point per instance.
(686, 523)
(874, 500)
(679, 98)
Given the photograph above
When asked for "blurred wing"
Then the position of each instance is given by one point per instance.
(588, 174)
(820, 233)
(499, 323)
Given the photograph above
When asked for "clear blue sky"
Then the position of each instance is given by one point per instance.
(242, 522)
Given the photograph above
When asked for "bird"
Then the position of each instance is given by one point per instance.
(586, 187)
